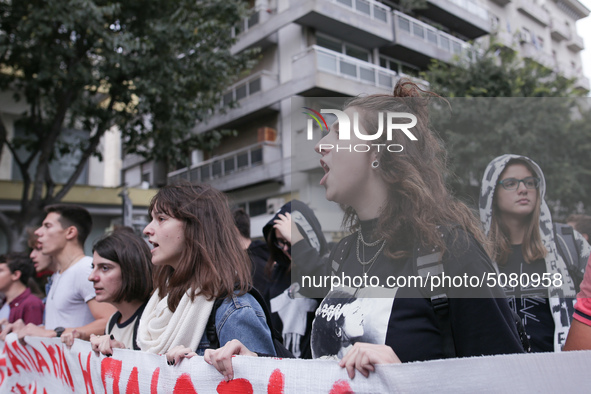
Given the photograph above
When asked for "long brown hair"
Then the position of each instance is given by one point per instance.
(212, 262)
(532, 247)
(418, 199)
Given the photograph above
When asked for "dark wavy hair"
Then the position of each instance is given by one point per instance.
(133, 255)
(212, 262)
(418, 198)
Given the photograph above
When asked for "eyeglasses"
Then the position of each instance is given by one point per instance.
(281, 243)
(513, 183)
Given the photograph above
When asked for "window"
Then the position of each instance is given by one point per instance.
(344, 48)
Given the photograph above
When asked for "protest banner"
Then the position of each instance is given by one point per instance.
(48, 366)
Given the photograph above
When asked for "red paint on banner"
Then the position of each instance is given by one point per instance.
(41, 362)
(2, 368)
(60, 366)
(154, 382)
(65, 374)
(133, 384)
(184, 385)
(341, 387)
(86, 374)
(276, 383)
(111, 368)
(14, 360)
(236, 386)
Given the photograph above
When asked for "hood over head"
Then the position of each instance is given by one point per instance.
(490, 181)
(308, 225)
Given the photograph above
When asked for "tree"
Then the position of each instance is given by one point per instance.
(500, 103)
(153, 68)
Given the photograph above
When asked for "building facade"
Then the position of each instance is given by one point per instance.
(332, 48)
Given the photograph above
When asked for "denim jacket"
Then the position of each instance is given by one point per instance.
(241, 318)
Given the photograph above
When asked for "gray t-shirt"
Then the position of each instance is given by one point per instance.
(70, 291)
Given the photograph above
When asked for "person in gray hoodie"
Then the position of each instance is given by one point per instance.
(518, 225)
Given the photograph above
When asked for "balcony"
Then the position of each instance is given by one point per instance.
(502, 3)
(248, 166)
(362, 22)
(418, 42)
(466, 17)
(534, 11)
(333, 71)
(250, 25)
(530, 51)
(255, 83)
(559, 31)
(576, 43)
(567, 71)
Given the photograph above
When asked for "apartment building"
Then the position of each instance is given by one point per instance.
(333, 48)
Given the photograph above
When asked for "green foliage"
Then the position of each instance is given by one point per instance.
(503, 104)
(153, 68)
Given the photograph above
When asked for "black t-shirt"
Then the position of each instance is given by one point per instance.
(530, 303)
(403, 318)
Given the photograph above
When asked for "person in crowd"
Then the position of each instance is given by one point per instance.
(122, 276)
(198, 259)
(44, 264)
(71, 303)
(519, 227)
(581, 223)
(397, 204)
(293, 228)
(257, 250)
(15, 271)
(579, 335)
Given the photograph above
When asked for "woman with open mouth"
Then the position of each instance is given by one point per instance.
(402, 216)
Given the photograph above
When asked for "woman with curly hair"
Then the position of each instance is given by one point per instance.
(397, 204)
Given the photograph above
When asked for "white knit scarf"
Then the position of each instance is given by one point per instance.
(160, 330)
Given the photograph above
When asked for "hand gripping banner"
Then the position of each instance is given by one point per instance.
(47, 366)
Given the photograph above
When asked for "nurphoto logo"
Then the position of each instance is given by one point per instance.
(345, 129)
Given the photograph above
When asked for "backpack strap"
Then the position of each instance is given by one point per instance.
(564, 239)
(210, 330)
(430, 265)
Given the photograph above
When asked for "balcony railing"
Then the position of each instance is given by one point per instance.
(430, 35)
(370, 8)
(230, 163)
(246, 23)
(352, 68)
(472, 8)
(257, 82)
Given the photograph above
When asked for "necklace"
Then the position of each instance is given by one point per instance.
(374, 258)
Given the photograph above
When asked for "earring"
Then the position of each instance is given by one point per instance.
(375, 164)
(338, 332)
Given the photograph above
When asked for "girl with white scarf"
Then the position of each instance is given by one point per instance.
(197, 259)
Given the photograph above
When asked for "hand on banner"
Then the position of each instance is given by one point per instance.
(7, 328)
(177, 353)
(105, 344)
(221, 358)
(32, 330)
(363, 357)
(68, 338)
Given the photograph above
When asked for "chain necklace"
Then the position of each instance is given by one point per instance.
(374, 258)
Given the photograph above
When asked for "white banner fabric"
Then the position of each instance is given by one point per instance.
(47, 366)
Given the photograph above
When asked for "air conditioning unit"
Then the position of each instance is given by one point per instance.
(274, 204)
(522, 37)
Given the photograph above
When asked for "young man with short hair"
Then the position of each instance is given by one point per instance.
(15, 271)
(71, 303)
